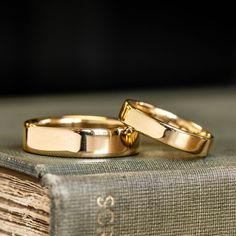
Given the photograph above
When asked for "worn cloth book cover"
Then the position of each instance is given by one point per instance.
(158, 192)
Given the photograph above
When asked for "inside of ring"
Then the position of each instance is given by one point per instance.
(171, 119)
(78, 121)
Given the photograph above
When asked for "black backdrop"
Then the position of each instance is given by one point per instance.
(89, 46)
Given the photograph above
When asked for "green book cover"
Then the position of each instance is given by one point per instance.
(157, 192)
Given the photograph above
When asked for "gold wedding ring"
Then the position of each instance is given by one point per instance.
(79, 136)
(166, 127)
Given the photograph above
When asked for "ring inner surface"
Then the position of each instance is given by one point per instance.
(171, 119)
(78, 122)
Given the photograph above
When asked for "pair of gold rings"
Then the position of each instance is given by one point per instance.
(97, 136)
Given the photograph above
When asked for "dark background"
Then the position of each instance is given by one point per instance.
(61, 47)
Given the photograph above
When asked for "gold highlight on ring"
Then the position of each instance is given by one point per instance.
(79, 136)
(166, 127)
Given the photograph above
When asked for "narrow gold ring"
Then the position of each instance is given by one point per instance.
(166, 127)
(79, 136)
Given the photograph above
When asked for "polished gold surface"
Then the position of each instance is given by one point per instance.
(79, 136)
(166, 127)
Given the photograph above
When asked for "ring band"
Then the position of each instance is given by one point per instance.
(79, 136)
(166, 127)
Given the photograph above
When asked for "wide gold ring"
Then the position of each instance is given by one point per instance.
(79, 136)
(166, 127)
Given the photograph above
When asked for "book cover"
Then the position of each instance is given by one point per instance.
(158, 192)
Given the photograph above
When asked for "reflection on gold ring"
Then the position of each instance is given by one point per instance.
(79, 136)
(166, 127)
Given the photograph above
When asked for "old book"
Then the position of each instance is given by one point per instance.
(158, 192)
(24, 205)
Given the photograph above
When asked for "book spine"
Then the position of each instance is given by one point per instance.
(189, 202)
